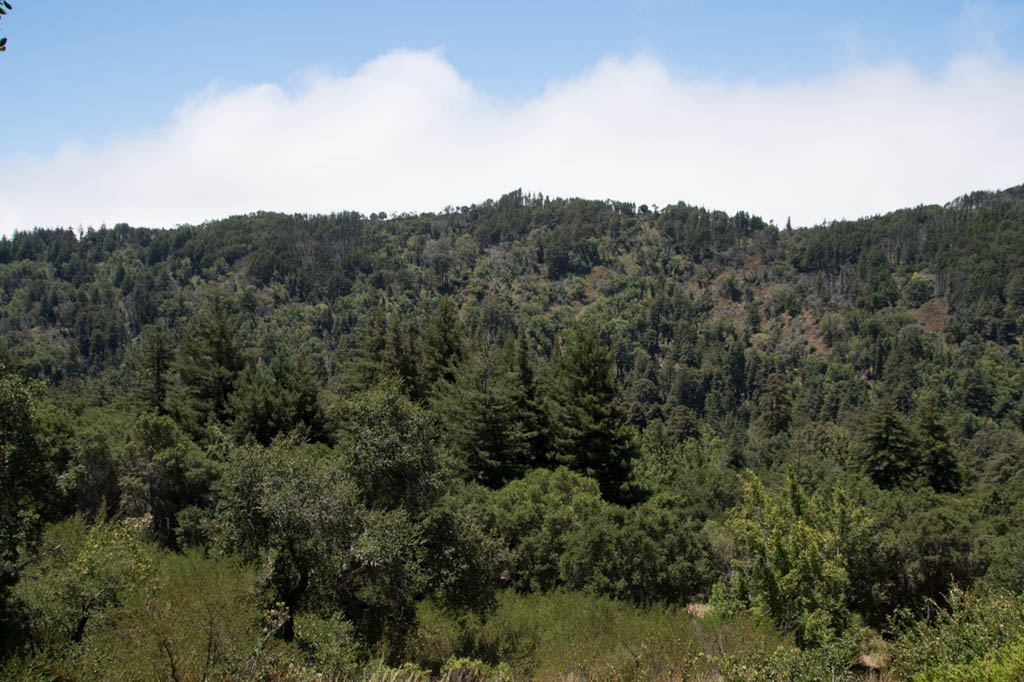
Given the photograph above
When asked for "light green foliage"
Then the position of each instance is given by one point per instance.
(693, 471)
(87, 577)
(157, 616)
(1003, 664)
(660, 457)
(833, 661)
(792, 564)
(561, 635)
(332, 644)
(199, 621)
(978, 637)
(292, 508)
(918, 289)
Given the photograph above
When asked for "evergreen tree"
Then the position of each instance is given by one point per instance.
(493, 421)
(890, 454)
(442, 345)
(531, 408)
(156, 355)
(370, 358)
(211, 359)
(776, 405)
(941, 467)
(402, 358)
(279, 397)
(591, 434)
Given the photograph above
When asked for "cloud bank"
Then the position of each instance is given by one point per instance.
(407, 133)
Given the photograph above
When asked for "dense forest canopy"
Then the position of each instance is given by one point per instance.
(369, 430)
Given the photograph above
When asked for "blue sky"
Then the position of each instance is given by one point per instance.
(98, 94)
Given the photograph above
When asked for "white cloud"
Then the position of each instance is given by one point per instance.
(407, 133)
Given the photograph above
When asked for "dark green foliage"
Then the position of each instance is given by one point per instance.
(210, 361)
(942, 468)
(169, 471)
(442, 344)
(536, 517)
(496, 423)
(156, 355)
(922, 543)
(591, 435)
(279, 397)
(486, 430)
(562, 534)
(890, 453)
(465, 565)
(402, 359)
(347, 531)
(90, 479)
(389, 449)
(776, 405)
(24, 480)
(295, 509)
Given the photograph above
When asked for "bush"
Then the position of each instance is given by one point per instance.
(979, 631)
(1004, 664)
(558, 634)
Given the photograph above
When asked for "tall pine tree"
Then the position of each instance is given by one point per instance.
(210, 361)
(890, 454)
(591, 434)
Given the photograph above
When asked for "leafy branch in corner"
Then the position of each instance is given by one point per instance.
(4, 8)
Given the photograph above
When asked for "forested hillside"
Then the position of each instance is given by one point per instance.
(276, 446)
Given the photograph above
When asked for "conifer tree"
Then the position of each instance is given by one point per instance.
(403, 358)
(370, 359)
(495, 420)
(890, 454)
(211, 359)
(157, 354)
(532, 409)
(479, 409)
(776, 404)
(279, 397)
(941, 468)
(442, 346)
(591, 434)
